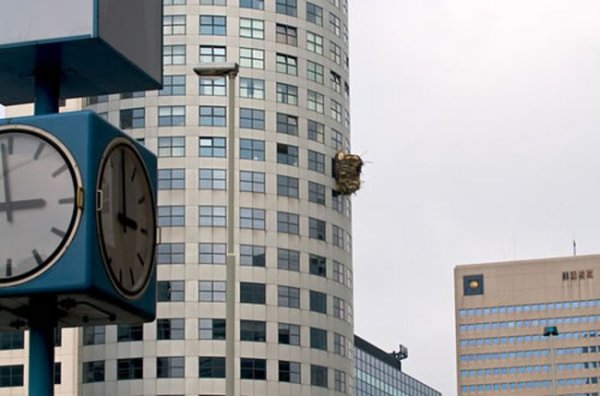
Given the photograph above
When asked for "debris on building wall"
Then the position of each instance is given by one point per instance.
(347, 168)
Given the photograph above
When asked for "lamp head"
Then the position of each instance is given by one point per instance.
(217, 69)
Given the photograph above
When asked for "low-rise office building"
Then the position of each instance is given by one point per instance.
(379, 373)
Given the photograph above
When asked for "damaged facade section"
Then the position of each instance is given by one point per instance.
(346, 170)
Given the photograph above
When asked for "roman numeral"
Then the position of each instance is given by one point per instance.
(140, 259)
(132, 278)
(133, 175)
(8, 270)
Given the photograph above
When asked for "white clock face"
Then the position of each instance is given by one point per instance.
(126, 219)
(38, 202)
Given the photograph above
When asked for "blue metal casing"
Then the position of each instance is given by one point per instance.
(97, 46)
(79, 279)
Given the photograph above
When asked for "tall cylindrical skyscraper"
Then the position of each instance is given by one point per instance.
(265, 307)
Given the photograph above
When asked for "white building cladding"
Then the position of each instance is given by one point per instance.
(292, 326)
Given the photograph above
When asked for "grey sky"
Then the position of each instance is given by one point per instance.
(479, 123)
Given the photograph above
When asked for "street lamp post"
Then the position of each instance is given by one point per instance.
(550, 332)
(215, 70)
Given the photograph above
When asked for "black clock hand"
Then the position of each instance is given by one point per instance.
(126, 221)
(123, 192)
(5, 173)
(22, 205)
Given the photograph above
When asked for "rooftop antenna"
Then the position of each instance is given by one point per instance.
(574, 248)
(401, 354)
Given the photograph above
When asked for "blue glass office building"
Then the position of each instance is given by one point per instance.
(378, 373)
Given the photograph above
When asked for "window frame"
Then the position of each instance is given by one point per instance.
(212, 86)
(317, 229)
(170, 291)
(173, 85)
(252, 181)
(252, 58)
(314, 43)
(315, 72)
(316, 193)
(170, 215)
(317, 265)
(288, 223)
(212, 216)
(318, 338)
(253, 293)
(315, 101)
(253, 88)
(289, 332)
(288, 186)
(170, 329)
(253, 369)
(174, 54)
(212, 53)
(215, 326)
(212, 179)
(211, 367)
(252, 118)
(286, 34)
(315, 131)
(253, 218)
(252, 28)
(288, 297)
(173, 25)
(93, 371)
(287, 154)
(316, 161)
(318, 302)
(170, 253)
(132, 118)
(253, 330)
(171, 146)
(171, 116)
(212, 25)
(287, 94)
(170, 367)
(287, 124)
(212, 253)
(212, 291)
(288, 260)
(212, 116)
(253, 4)
(253, 255)
(314, 13)
(286, 64)
(212, 147)
(289, 372)
(286, 7)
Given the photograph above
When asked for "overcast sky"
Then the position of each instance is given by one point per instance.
(479, 122)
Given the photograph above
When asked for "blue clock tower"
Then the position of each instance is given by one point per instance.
(77, 197)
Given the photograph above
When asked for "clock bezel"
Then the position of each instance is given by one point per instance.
(112, 147)
(76, 214)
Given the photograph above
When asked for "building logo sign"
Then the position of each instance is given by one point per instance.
(578, 275)
(473, 285)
